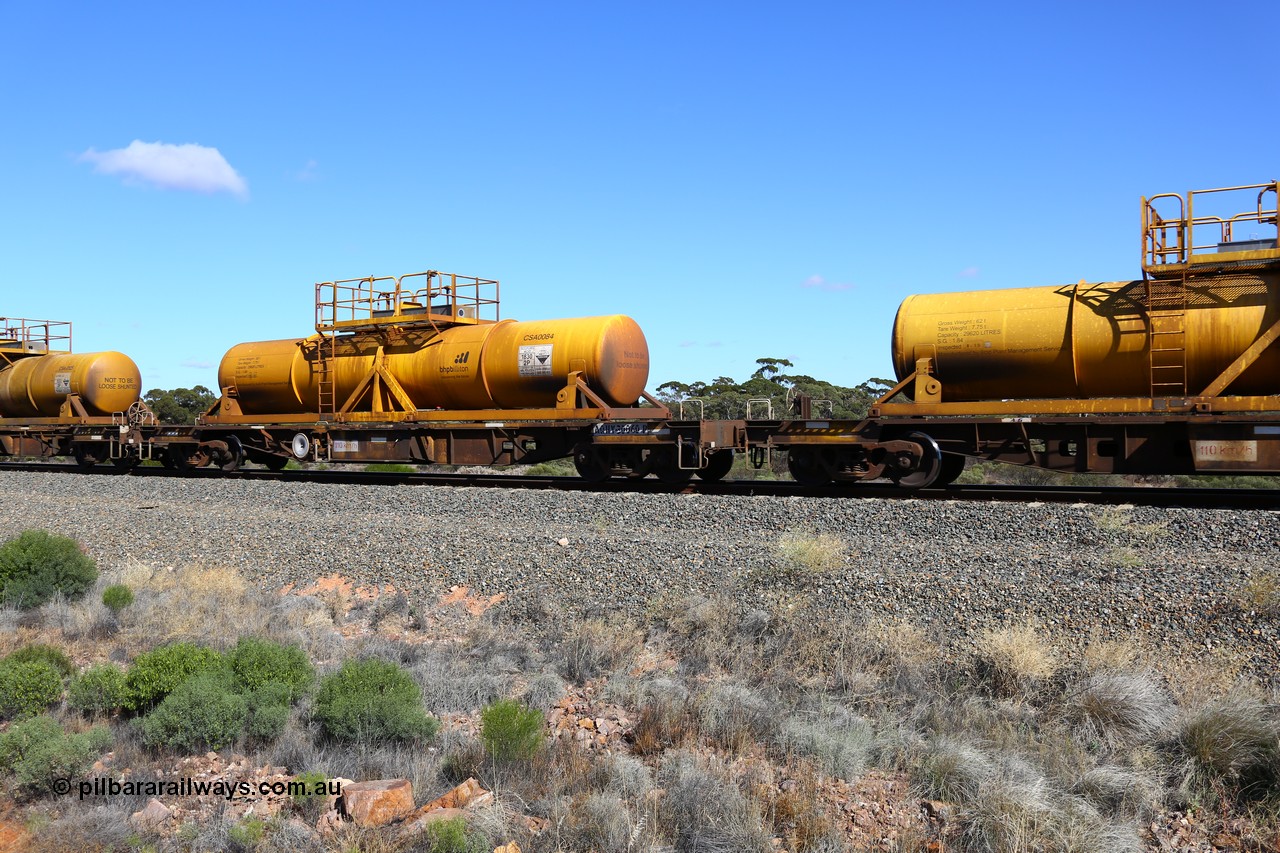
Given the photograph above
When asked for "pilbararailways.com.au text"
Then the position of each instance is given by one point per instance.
(188, 787)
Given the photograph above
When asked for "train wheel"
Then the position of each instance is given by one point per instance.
(275, 463)
(952, 467)
(87, 458)
(591, 465)
(666, 466)
(672, 474)
(806, 469)
(718, 465)
(175, 459)
(235, 455)
(930, 466)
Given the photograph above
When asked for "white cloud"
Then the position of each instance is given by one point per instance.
(196, 363)
(308, 172)
(817, 282)
(968, 272)
(172, 167)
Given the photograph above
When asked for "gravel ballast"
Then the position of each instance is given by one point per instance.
(1172, 576)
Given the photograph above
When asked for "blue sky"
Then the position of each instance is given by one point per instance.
(745, 179)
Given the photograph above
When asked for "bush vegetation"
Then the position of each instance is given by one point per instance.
(373, 701)
(201, 713)
(157, 673)
(511, 730)
(752, 717)
(38, 752)
(28, 687)
(117, 597)
(36, 565)
(99, 690)
(257, 663)
(43, 653)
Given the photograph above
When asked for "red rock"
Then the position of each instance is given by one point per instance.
(152, 816)
(458, 798)
(379, 802)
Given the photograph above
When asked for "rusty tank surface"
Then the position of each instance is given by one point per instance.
(1083, 340)
(37, 386)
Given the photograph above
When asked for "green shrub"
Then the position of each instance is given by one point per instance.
(117, 597)
(314, 795)
(38, 752)
(28, 688)
(511, 730)
(201, 713)
(256, 663)
(372, 700)
(452, 836)
(157, 673)
(39, 652)
(98, 690)
(268, 711)
(247, 833)
(36, 565)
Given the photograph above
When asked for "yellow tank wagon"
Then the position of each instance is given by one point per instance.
(1176, 372)
(421, 368)
(54, 402)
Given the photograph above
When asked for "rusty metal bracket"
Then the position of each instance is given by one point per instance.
(925, 386)
(73, 407)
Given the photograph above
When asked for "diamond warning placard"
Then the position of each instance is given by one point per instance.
(535, 360)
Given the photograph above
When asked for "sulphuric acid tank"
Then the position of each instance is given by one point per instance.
(37, 386)
(503, 365)
(1083, 340)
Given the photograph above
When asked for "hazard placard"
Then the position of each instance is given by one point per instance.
(535, 360)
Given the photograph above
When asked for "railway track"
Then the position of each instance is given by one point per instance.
(1256, 499)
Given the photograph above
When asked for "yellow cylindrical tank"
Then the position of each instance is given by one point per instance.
(36, 386)
(1084, 340)
(503, 365)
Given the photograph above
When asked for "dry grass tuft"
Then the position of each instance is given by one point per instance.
(1119, 710)
(1103, 655)
(172, 605)
(1015, 659)
(810, 554)
(704, 810)
(1228, 752)
(1197, 680)
(734, 716)
(596, 647)
(1008, 815)
(838, 742)
(1261, 593)
(606, 823)
(952, 771)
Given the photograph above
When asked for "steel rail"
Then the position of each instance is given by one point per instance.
(1196, 498)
